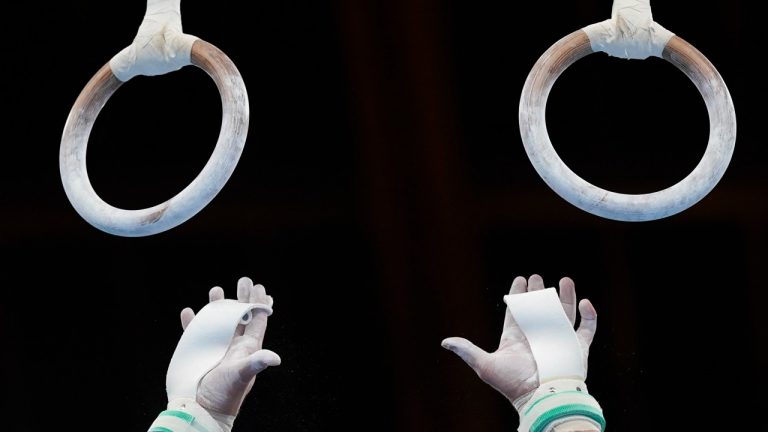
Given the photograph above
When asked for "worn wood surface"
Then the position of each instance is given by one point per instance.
(613, 205)
(185, 204)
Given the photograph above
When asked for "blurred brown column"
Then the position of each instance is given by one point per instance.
(415, 197)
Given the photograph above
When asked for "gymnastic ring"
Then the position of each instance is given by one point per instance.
(192, 199)
(611, 205)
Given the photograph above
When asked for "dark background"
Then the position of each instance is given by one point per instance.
(385, 200)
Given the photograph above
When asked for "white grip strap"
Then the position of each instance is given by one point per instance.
(204, 343)
(159, 47)
(550, 334)
(631, 32)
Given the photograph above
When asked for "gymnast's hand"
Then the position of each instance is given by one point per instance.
(224, 388)
(511, 369)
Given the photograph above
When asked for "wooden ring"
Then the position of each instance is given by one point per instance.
(611, 205)
(192, 199)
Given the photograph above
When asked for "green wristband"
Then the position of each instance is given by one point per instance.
(570, 410)
(557, 401)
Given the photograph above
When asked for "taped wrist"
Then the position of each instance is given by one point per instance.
(186, 415)
(557, 402)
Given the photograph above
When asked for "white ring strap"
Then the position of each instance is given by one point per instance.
(160, 46)
(631, 32)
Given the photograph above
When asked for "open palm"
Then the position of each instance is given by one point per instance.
(511, 369)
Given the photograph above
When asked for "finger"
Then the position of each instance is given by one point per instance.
(187, 315)
(258, 325)
(270, 301)
(244, 285)
(511, 329)
(535, 283)
(251, 365)
(588, 324)
(216, 293)
(568, 298)
(469, 352)
(258, 294)
(519, 286)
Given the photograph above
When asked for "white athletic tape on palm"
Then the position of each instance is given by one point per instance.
(160, 46)
(550, 334)
(631, 32)
(204, 343)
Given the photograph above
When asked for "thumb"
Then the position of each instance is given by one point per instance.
(588, 324)
(469, 352)
(251, 365)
